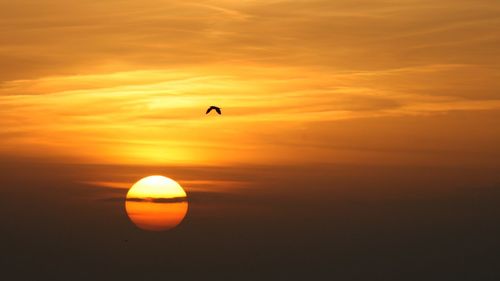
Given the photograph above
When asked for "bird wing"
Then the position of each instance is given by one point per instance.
(218, 110)
(208, 110)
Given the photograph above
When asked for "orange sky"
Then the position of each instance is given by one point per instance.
(412, 81)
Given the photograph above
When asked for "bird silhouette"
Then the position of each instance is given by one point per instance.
(217, 109)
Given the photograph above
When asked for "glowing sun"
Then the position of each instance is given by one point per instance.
(156, 203)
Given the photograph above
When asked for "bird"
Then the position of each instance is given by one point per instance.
(217, 109)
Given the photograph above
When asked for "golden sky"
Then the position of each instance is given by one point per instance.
(326, 81)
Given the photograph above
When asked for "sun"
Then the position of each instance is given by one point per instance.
(156, 187)
(156, 203)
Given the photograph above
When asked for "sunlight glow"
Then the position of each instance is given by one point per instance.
(145, 208)
(156, 187)
(156, 216)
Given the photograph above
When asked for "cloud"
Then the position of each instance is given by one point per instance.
(129, 81)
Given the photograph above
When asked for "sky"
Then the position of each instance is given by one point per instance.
(360, 82)
(359, 139)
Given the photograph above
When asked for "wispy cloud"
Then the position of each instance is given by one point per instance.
(130, 82)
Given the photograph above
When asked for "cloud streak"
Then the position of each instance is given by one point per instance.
(128, 81)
